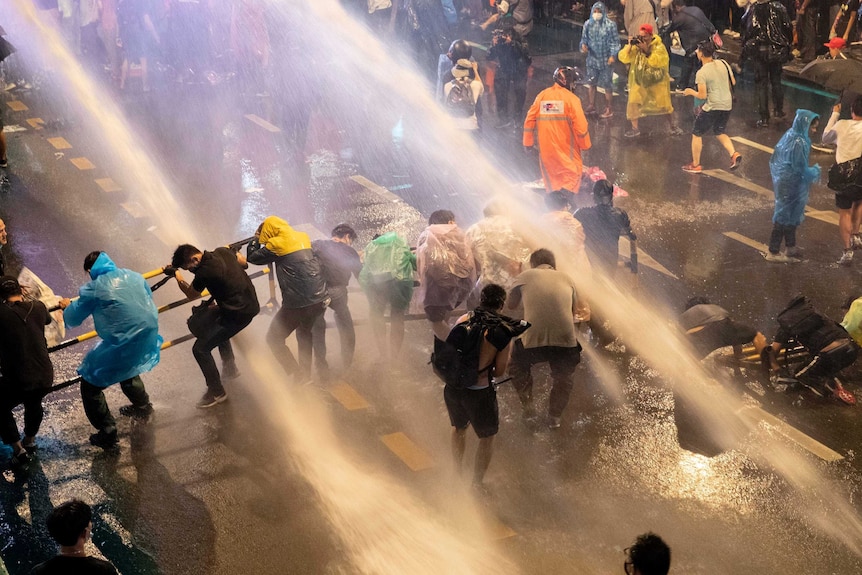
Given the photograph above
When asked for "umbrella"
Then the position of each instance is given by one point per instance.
(838, 75)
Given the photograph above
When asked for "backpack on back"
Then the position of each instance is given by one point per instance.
(456, 360)
(459, 101)
(800, 318)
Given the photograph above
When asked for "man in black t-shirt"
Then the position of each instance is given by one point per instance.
(603, 225)
(27, 372)
(339, 261)
(70, 525)
(222, 272)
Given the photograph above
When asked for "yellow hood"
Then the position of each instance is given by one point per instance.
(281, 239)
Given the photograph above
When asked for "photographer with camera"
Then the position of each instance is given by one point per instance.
(513, 60)
(649, 80)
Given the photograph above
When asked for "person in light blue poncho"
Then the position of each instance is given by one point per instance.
(600, 41)
(791, 179)
(127, 321)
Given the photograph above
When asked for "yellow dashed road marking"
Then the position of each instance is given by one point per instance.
(348, 397)
(59, 143)
(83, 164)
(17, 106)
(108, 185)
(262, 123)
(135, 209)
(407, 451)
(37, 123)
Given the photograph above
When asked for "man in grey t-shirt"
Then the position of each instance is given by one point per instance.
(715, 83)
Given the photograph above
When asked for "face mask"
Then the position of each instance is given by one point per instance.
(597, 16)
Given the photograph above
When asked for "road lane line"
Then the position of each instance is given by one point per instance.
(497, 529)
(59, 143)
(752, 144)
(348, 397)
(17, 106)
(741, 182)
(135, 209)
(108, 185)
(827, 216)
(762, 248)
(643, 258)
(83, 164)
(756, 414)
(36, 123)
(254, 118)
(411, 454)
(376, 188)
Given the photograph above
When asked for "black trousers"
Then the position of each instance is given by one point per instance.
(285, 322)
(562, 361)
(501, 91)
(346, 334)
(218, 336)
(782, 232)
(690, 65)
(767, 75)
(96, 406)
(33, 413)
(825, 365)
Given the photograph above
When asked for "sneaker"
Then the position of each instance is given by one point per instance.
(632, 133)
(137, 411)
(735, 160)
(762, 123)
(229, 370)
(777, 258)
(856, 242)
(554, 422)
(840, 393)
(211, 398)
(104, 440)
(676, 131)
(20, 459)
(692, 169)
(846, 258)
(4, 163)
(608, 113)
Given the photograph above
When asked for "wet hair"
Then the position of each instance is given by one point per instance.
(493, 297)
(543, 256)
(183, 254)
(696, 300)
(9, 287)
(706, 48)
(68, 522)
(344, 231)
(650, 555)
(441, 217)
(856, 108)
(90, 260)
(557, 201)
(603, 192)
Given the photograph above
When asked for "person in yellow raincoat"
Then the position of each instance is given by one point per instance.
(649, 80)
(557, 124)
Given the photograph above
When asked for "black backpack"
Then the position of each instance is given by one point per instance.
(459, 101)
(800, 318)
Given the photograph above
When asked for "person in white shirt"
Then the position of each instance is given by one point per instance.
(847, 137)
(466, 74)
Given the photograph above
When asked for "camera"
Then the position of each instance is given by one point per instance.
(634, 41)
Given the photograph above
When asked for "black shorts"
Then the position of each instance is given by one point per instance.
(845, 201)
(715, 120)
(473, 406)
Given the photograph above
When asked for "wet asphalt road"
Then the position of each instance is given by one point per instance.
(227, 491)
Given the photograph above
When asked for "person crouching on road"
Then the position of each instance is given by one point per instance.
(127, 320)
(303, 290)
(27, 372)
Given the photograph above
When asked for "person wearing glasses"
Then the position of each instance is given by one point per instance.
(650, 555)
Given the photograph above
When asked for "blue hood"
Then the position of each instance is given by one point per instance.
(599, 6)
(802, 122)
(103, 265)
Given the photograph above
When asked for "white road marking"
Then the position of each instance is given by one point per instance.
(752, 144)
(807, 442)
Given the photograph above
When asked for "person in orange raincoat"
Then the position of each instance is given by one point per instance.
(557, 124)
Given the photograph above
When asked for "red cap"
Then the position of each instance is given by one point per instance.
(646, 28)
(836, 43)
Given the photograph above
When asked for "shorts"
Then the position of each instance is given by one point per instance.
(394, 293)
(473, 406)
(846, 201)
(601, 76)
(715, 120)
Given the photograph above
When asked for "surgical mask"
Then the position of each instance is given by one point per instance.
(597, 16)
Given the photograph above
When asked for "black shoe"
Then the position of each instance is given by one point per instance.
(137, 411)
(104, 440)
(4, 163)
(20, 459)
(211, 398)
(763, 123)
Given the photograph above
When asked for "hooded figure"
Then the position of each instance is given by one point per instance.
(791, 175)
(601, 38)
(649, 80)
(126, 319)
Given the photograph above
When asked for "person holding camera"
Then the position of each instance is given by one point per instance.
(649, 80)
(222, 272)
(513, 60)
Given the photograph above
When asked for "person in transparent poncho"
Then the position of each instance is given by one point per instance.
(499, 249)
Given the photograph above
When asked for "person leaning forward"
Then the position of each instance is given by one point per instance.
(234, 305)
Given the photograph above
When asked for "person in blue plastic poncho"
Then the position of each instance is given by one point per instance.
(791, 179)
(127, 320)
(600, 41)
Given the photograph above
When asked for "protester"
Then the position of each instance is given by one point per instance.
(852, 321)
(649, 80)
(637, 13)
(649, 555)
(715, 82)
(222, 272)
(791, 181)
(476, 404)
(515, 14)
(446, 269)
(550, 304)
(127, 322)
(807, 17)
(71, 525)
(557, 125)
(461, 95)
(499, 250)
(339, 261)
(566, 231)
(600, 41)
(693, 27)
(844, 26)
(303, 290)
(387, 279)
(513, 60)
(26, 371)
(458, 50)
(138, 36)
(766, 41)
(603, 224)
(847, 137)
